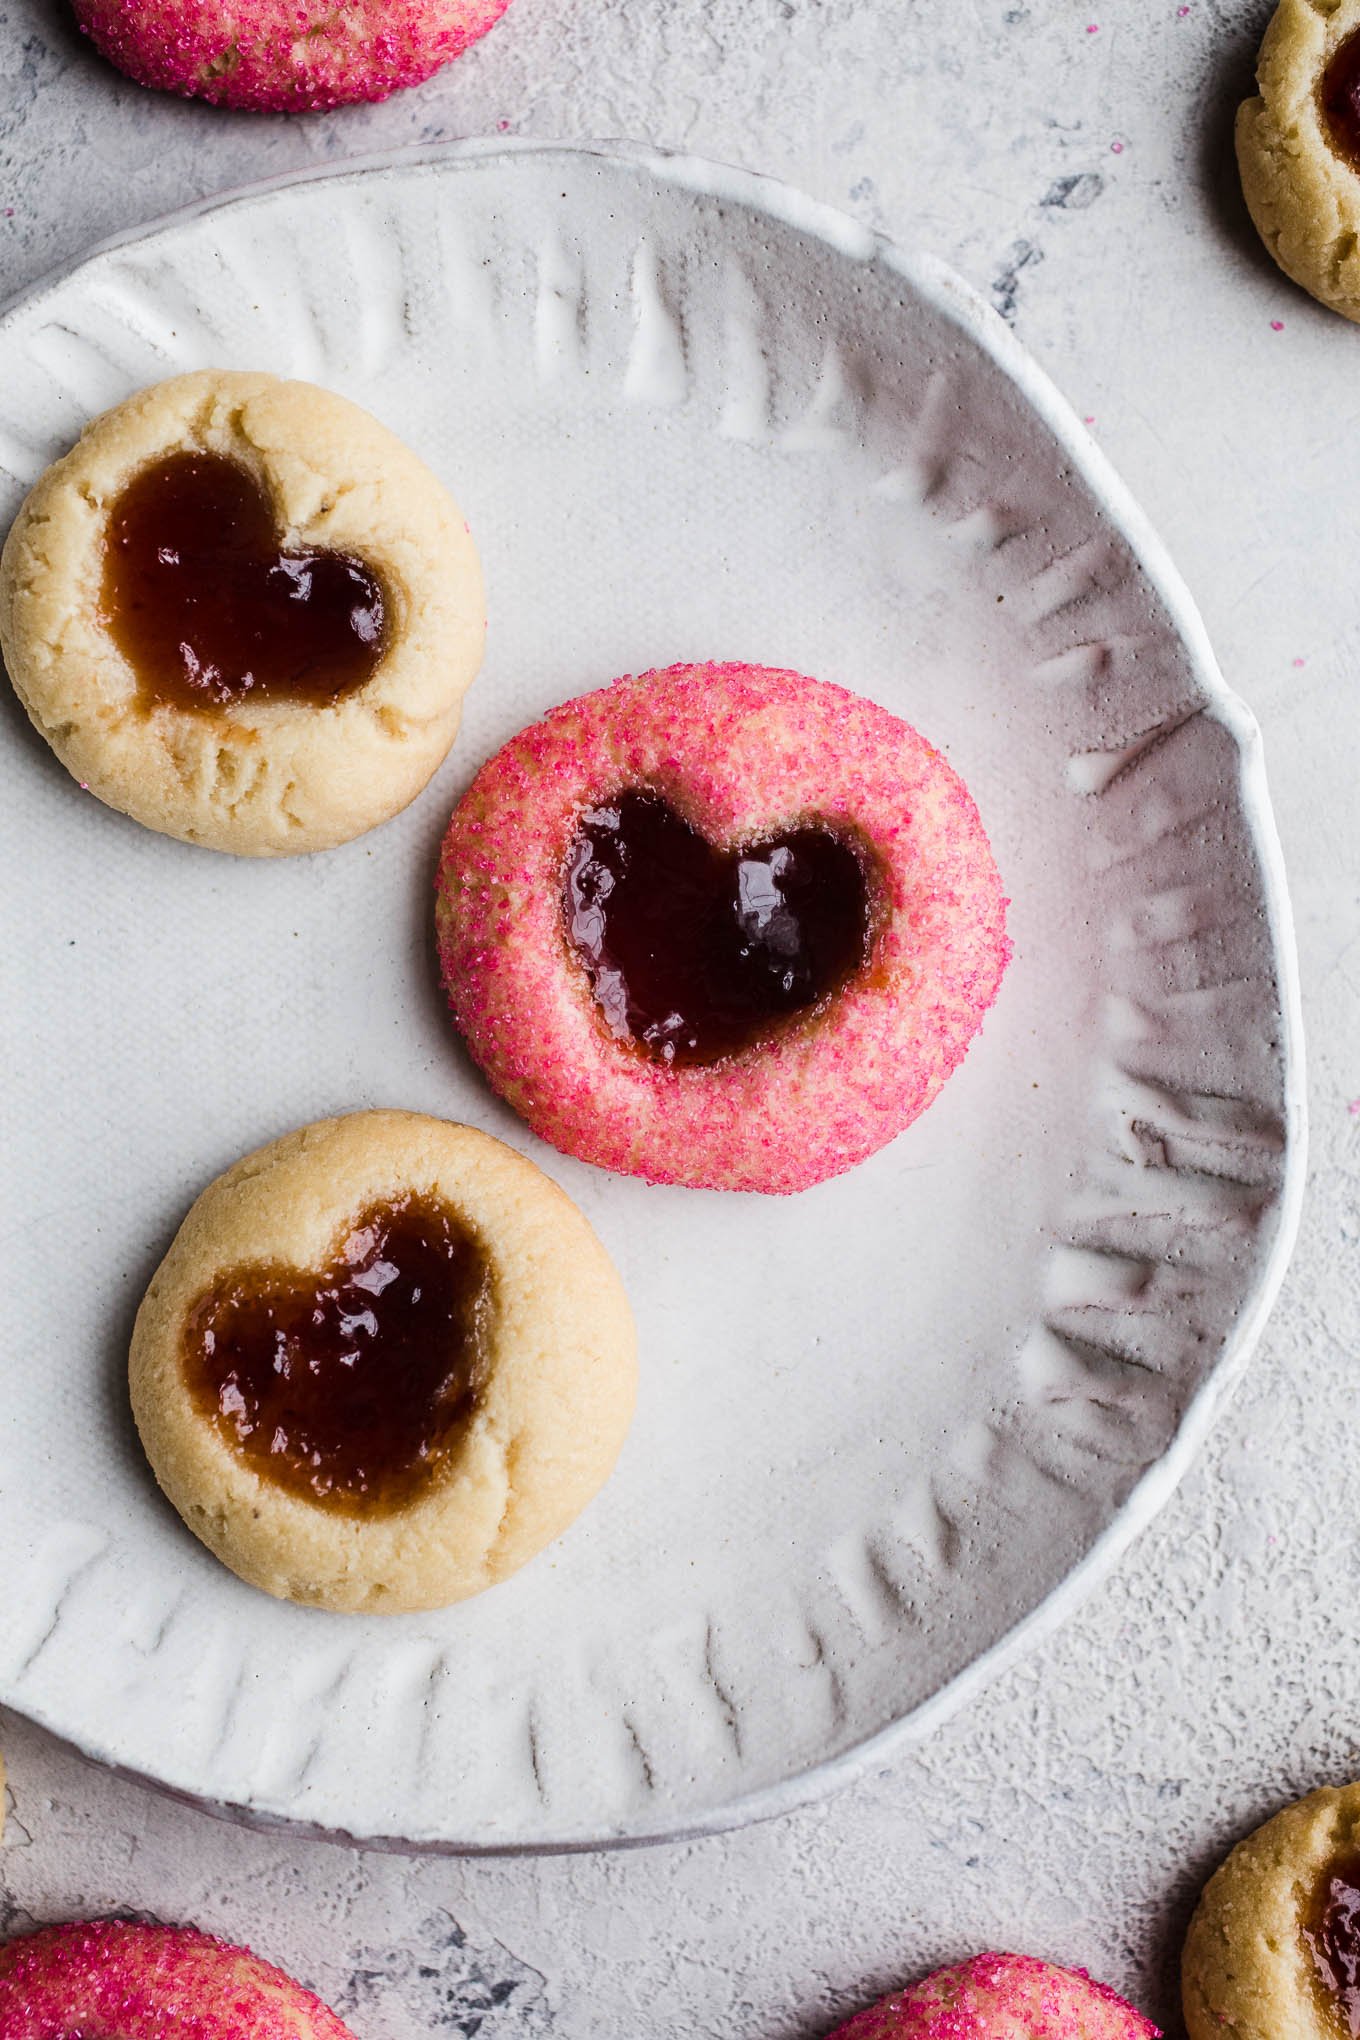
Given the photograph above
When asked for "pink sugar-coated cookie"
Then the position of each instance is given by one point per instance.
(1002, 1997)
(284, 56)
(114, 1980)
(742, 752)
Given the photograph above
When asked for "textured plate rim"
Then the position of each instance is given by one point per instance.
(959, 303)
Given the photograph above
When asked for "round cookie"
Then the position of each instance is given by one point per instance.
(384, 1362)
(1001, 1997)
(813, 864)
(284, 56)
(1298, 148)
(136, 1982)
(361, 604)
(1274, 1946)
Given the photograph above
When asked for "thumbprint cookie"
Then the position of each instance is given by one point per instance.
(1002, 1997)
(284, 56)
(1274, 1947)
(384, 1362)
(241, 611)
(720, 925)
(128, 1981)
(1298, 148)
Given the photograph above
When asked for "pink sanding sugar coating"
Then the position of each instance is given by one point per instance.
(113, 1980)
(1002, 1997)
(742, 752)
(284, 56)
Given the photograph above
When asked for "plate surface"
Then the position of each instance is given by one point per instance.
(888, 1430)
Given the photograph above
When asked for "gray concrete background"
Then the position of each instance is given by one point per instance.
(1073, 158)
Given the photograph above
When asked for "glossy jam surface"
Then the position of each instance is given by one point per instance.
(207, 608)
(694, 953)
(1339, 95)
(353, 1383)
(1331, 1932)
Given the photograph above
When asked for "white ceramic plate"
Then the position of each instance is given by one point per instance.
(887, 1430)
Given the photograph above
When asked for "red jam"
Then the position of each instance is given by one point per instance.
(1331, 1933)
(1339, 97)
(209, 611)
(354, 1383)
(694, 953)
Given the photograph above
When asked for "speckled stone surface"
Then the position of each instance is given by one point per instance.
(1076, 164)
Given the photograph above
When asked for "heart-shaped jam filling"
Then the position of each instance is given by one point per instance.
(1339, 98)
(1331, 1933)
(209, 611)
(353, 1383)
(694, 953)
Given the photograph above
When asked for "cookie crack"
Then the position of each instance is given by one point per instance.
(510, 1457)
